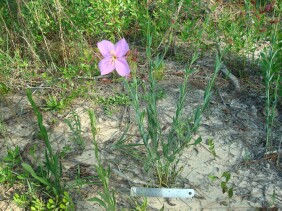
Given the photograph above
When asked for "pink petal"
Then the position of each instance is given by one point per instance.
(105, 47)
(106, 65)
(122, 67)
(121, 48)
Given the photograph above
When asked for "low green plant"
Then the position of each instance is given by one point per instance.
(106, 198)
(53, 103)
(273, 197)
(225, 188)
(67, 203)
(13, 157)
(109, 103)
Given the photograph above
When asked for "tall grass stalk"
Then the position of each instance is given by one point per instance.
(271, 66)
(107, 198)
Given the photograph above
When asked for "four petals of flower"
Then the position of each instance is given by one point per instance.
(114, 57)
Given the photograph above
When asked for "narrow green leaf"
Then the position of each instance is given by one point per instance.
(99, 201)
(29, 169)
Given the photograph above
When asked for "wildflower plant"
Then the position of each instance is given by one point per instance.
(163, 150)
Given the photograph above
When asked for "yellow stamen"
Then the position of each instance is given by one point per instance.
(114, 57)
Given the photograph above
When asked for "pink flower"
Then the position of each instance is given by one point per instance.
(114, 57)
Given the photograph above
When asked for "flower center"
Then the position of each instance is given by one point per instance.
(114, 57)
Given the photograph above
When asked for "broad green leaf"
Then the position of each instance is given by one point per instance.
(198, 140)
(230, 192)
(223, 187)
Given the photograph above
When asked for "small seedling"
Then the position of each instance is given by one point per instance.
(224, 179)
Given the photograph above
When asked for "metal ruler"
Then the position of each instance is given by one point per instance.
(162, 192)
